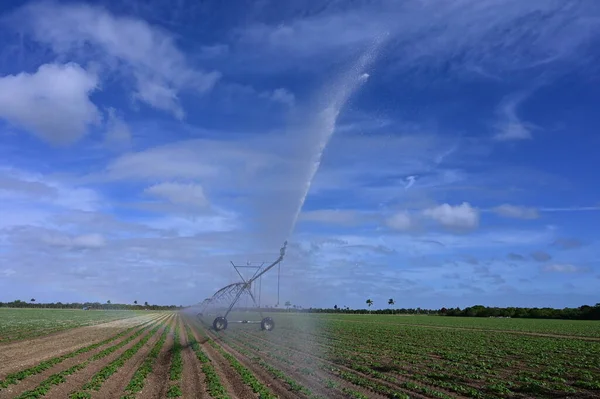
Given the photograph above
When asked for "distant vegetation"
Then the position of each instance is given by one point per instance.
(584, 312)
(88, 305)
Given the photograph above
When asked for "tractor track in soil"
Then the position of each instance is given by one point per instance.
(193, 380)
(36, 350)
(278, 387)
(157, 382)
(77, 380)
(115, 385)
(231, 380)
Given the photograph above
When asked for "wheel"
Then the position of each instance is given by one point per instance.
(220, 323)
(267, 324)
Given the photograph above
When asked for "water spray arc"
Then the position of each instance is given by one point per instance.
(232, 293)
(318, 131)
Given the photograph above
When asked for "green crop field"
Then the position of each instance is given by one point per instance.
(332, 355)
(434, 356)
(16, 324)
(583, 328)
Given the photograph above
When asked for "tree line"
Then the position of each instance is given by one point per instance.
(585, 312)
(86, 305)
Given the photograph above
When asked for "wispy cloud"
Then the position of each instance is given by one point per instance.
(130, 46)
(563, 268)
(516, 212)
(510, 126)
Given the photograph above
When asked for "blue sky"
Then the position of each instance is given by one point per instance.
(143, 146)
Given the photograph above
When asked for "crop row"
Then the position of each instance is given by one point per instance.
(176, 368)
(20, 324)
(213, 382)
(14, 378)
(136, 384)
(247, 376)
(98, 379)
(58, 378)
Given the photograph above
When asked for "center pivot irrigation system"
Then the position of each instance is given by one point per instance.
(232, 293)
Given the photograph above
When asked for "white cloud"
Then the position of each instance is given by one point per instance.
(510, 126)
(410, 181)
(53, 103)
(178, 193)
(516, 212)
(179, 160)
(562, 268)
(132, 46)
(460, 216)
(280, 95)
(400, 221)
(81, 241)
(7, 272)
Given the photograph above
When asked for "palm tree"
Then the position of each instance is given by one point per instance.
(146, 303)
(32, 300)
(108, 301)
(135, 302)
(369, 303)
(288, 304)
(391, 301)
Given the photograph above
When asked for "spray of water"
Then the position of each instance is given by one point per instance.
(330, 104)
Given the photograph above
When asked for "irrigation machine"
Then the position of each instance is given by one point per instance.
(223, 301)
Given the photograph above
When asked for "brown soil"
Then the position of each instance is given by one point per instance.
(231, 380)
(157, 383)
(193, 385)
(34, 380)
(316, 382)
(116, 383)
(280, 388)
(75, 381)
(20, 355)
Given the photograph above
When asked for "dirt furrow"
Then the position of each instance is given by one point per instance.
(33, 381)
(20, 355)
(75, 381)
(114, 386)
(157, 383)
(193, 384)
(280, 388)
(318, 382)
(229, 377)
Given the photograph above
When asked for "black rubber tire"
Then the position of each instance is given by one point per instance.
(220, 323)
(267, 324)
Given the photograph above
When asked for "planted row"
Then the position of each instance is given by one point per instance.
(213, 382)
(14, 378)
(247, 376)
(98, 379)
(176, 367)
(59, 378)
(136, 384)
